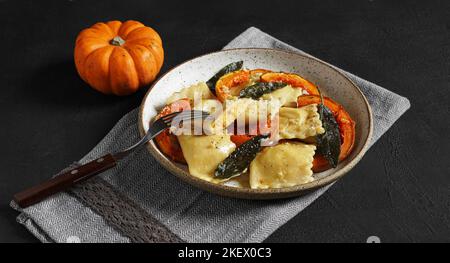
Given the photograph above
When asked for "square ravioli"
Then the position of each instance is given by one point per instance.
(287, 96)
(284, 165)
(195, 92)
(300, 123)
(204, 153)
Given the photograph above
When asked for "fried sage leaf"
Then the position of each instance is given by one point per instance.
(211, 83)
(258, 89)
(239, 160)
(329, 143)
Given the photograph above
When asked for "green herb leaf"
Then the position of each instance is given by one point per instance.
(211, 83)
(258, 89)
(239, 160)
(329, 143)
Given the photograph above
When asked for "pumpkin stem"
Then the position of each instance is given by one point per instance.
(117, 41)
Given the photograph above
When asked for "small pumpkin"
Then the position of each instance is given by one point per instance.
(118, 58)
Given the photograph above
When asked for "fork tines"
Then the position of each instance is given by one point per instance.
(184, 115)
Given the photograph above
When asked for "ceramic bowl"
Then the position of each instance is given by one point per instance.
(331, 82)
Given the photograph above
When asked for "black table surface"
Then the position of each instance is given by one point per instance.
(399, 191)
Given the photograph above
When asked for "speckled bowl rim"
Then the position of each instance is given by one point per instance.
(248, 193)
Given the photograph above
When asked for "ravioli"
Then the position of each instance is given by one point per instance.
(287, 96)
(203, 153)
(195, 92)
(247, 112)
(208, 105)
(283, 165)
(222, 117)
(299, 123)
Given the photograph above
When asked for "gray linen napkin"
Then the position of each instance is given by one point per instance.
(139, 201)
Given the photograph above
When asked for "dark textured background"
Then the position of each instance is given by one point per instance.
(400, 191)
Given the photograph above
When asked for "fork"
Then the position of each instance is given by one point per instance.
(81, 173)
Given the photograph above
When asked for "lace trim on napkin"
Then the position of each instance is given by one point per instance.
(122, 213)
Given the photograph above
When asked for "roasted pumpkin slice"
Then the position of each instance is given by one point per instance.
(346, 128)
(294, 80)
(239, 139)
(230, 85)
(259, 71)
(235, 66)
(166, 141)
(255, 74)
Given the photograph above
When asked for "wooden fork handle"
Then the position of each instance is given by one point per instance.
(61, 182)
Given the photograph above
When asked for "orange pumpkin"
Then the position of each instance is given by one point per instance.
(118, 58)
(168, 142)
(230, 84)
(239, 139)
